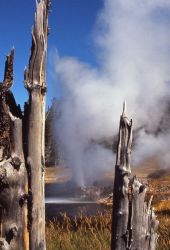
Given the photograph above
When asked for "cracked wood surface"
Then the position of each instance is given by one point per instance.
(35, 82)
(134, 223)
(13, 228)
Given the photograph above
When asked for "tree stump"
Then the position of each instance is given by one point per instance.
(134, 223)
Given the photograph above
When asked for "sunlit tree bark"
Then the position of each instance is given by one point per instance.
(22, 205)
(13, 181)
(35, 82)
(134, 224)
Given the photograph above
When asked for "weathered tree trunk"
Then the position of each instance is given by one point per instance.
(16, 184)
(134, 224)
(35, 82)
(121, 185)
(13, 181)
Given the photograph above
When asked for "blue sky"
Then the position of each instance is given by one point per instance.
(72, 23)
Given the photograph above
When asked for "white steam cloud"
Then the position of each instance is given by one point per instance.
(133, 43)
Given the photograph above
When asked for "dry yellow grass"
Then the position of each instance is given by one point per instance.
(162, 207)
(164, 232)
(85, 233)
(57, 174)
(94, 232)
(161, 203)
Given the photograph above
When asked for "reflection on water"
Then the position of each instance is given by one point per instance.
(73, 200)
(54, 200)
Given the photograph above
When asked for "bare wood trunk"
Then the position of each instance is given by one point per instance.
(13, 184)
(121, 185)
(134, 224)
(143, 221)
(35, 82)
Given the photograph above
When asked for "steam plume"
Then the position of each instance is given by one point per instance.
(133, 42)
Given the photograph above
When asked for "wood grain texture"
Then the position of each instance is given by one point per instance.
(134, 223)
(13, 184)
(35, 82)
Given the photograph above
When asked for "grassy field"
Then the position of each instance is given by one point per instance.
(79, 233)
(94, 233)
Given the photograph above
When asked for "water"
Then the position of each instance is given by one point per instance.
(71, 206)
(70, 199)
(54, 200)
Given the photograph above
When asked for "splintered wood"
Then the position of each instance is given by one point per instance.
(134, 224)
(35, 82)
(22, 212)
(13, 184)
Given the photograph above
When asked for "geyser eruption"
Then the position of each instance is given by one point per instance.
(132, 39)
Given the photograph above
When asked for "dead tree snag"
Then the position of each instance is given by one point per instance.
(13, 182)
(134, 224)
(22, 141)
(35, 82)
